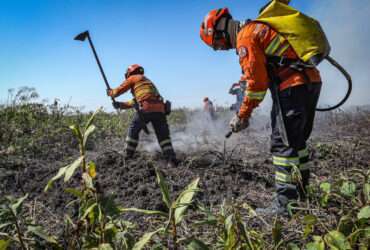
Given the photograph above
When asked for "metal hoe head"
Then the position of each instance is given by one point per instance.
(227, 136)
(82, 36)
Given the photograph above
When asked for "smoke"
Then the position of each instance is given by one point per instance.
(201, 133)
(346, 25)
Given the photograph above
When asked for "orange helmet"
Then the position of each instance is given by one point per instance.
(214, 38)
(134, 69)
(205, 99)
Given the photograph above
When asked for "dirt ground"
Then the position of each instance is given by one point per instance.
(238, 169)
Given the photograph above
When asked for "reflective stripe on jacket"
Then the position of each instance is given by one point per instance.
(255, 42)
(144, 91)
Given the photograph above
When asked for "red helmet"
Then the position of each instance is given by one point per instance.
(134, 69)
(208, 33)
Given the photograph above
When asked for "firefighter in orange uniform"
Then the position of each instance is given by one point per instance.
(151, 107)
(269, 62)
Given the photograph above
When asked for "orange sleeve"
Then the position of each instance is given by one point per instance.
(252, 59)
(126, 85)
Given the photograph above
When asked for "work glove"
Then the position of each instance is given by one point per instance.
(237, 124)
(110, 92)
(116, 105)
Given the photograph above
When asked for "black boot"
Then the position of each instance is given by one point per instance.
(172, 161)
(129, 155)
(277, 207)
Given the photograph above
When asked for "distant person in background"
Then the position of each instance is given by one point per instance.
(238, 89)
(208, 108)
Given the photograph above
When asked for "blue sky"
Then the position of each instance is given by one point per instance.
(38, 50)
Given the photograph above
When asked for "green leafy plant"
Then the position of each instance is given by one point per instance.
(17, 230)
(98, 223)
(336, 215)
(175, 214)
(353, 224)
(232, 232)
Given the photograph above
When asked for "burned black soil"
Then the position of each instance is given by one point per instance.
(239, 169)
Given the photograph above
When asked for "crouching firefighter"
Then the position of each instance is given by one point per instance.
(269, 61)
(150, 108)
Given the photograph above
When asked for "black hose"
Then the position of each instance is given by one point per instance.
(349, 80)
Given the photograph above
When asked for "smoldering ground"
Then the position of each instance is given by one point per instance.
(200, 132)
(245, 174)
